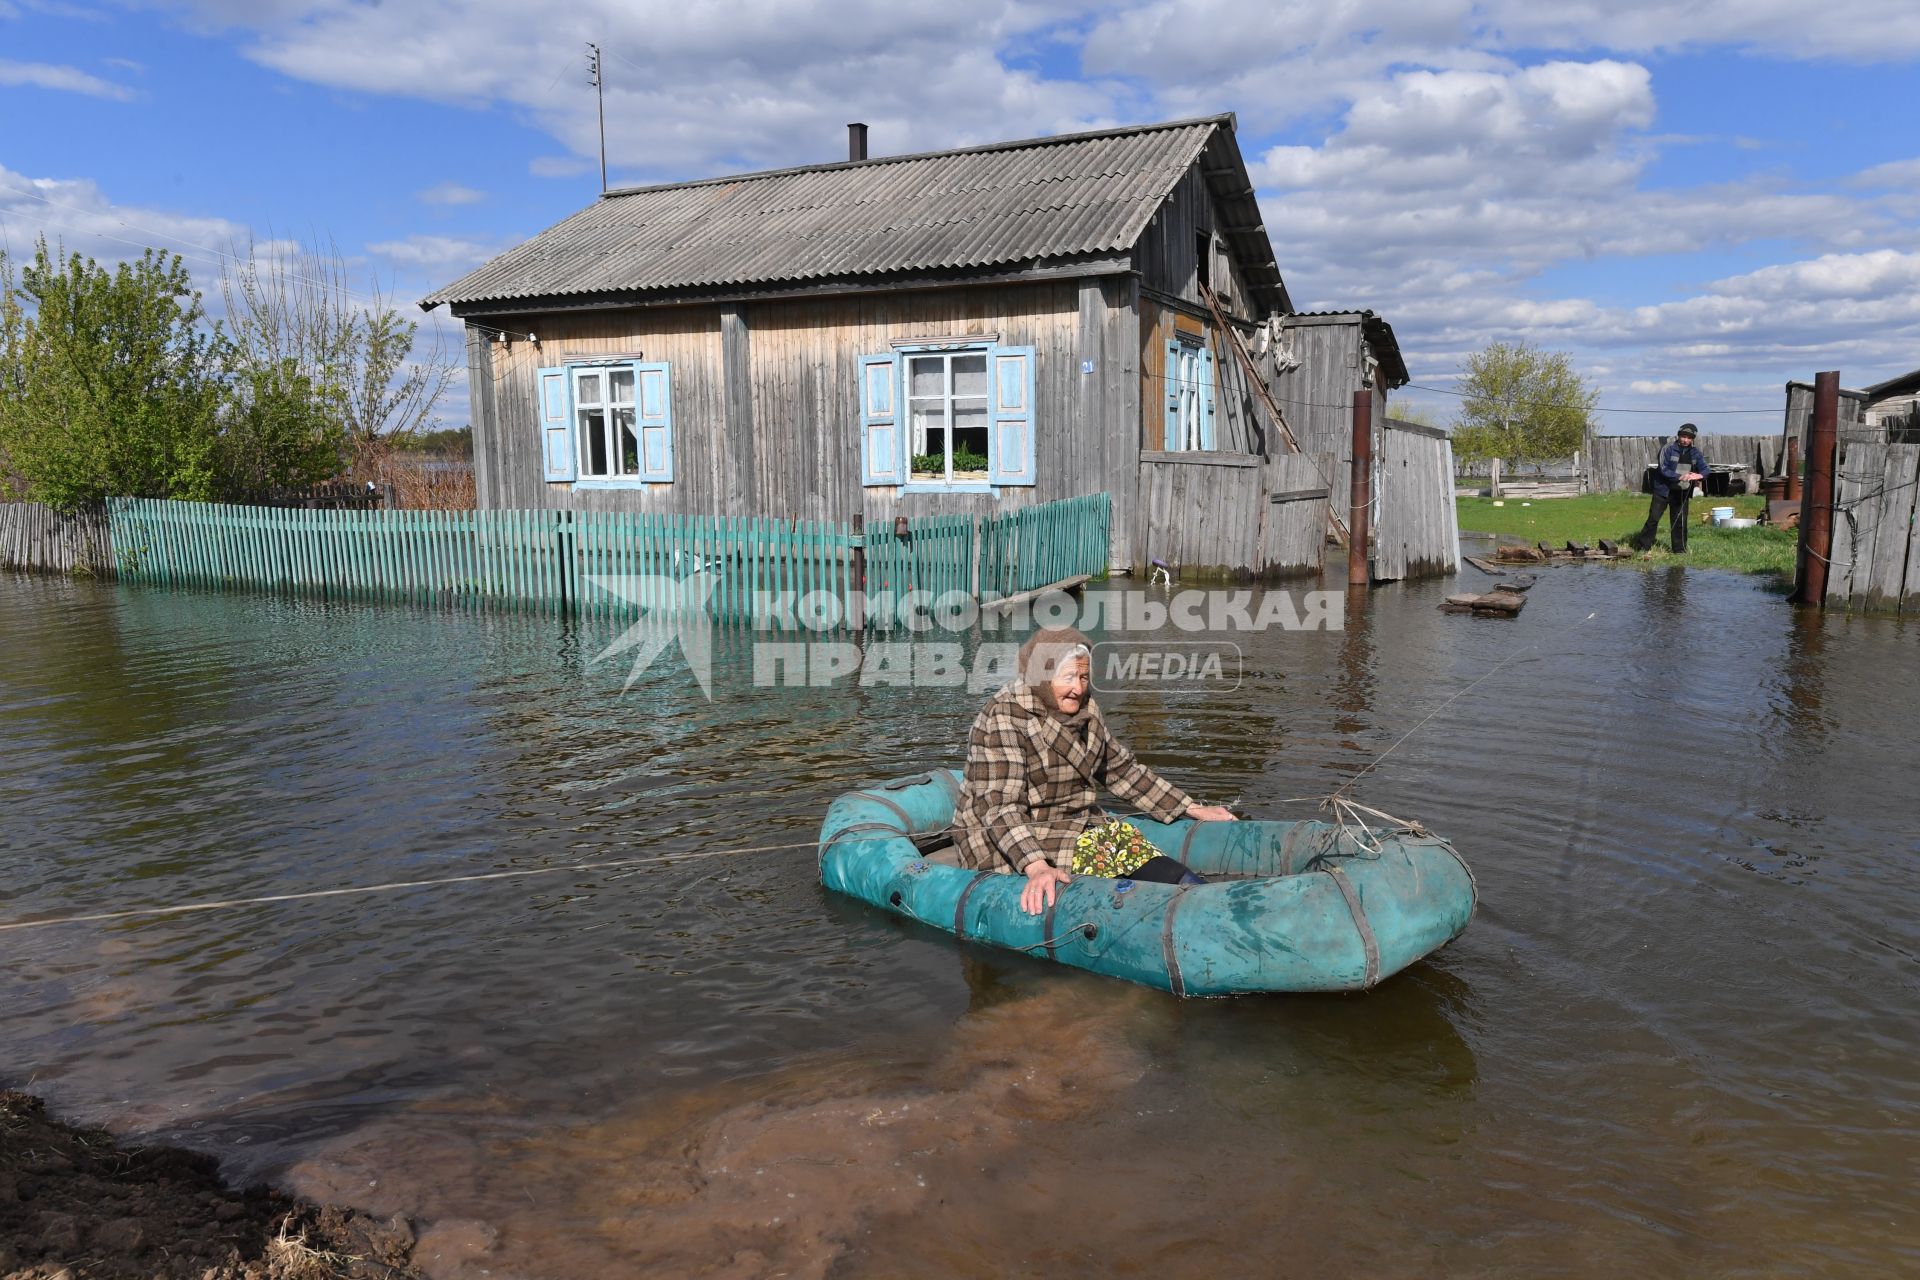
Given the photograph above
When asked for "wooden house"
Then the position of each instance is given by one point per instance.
(1894, 407)
(964, 331)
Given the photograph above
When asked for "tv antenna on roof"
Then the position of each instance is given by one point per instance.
(600, 94)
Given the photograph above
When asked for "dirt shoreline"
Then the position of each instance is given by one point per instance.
(77, 1205)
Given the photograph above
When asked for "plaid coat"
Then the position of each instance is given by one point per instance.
(1030, 779)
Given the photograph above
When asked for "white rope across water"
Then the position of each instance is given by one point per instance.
(392, 886)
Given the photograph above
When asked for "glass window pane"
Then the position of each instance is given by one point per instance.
(926, 375)
(586, 388)
(593, 443)
(628, 440)
(970, 375)
(970, 442)
(621, 390)
(929, 424)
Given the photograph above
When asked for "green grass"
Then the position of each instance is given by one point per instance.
(1618, 516)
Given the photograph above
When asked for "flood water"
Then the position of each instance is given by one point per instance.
(1679, 1038)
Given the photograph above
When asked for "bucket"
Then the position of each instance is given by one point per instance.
(1722, 514)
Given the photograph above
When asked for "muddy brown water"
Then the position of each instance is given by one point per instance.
(1679, 1039)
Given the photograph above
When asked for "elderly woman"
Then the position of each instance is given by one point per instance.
(1035, 754)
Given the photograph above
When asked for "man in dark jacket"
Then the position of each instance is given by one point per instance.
(1680, 465)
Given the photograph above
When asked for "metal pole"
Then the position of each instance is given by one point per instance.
(1360, 493)
(1816, 509)
(600, 97)
(857, 607)
(1791, 467)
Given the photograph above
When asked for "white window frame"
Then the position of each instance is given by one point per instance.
(916, 442)
(606, 407)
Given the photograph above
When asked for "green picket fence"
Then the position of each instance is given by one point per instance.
(593, 563)
(1034, 546)
(507, 560)
(624, 561)
(936, 557)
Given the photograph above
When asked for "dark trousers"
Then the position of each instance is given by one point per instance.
(1164, 870)
(1674, 500)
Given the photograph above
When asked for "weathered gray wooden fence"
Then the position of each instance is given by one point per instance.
(1202, 512)
(39, 539)
(1294, 539)
(1852, 422)
(1876, 540)
(1614, 463)
(1416, 529)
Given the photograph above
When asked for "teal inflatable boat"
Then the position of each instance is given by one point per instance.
(1298, 906)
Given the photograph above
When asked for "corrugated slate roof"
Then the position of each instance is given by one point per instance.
(1067, 197)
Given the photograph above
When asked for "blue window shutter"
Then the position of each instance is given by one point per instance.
(653, 415)
(1170, 439)
(553, 389)
(1206, 398)
(883, 455)
(1010, 447)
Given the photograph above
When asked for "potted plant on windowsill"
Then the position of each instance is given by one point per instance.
(967, 465)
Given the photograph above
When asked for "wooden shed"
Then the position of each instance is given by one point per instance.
(964, 331)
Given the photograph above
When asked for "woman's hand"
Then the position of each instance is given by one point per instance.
(1210, 813)
(1042, 879)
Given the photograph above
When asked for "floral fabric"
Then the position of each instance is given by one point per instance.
(1113, 849)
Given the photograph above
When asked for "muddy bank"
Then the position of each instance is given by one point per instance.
(73, 1203)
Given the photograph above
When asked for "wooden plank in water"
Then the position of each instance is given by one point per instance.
(1072, 584)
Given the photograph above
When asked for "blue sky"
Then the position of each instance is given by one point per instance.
(1699, 202)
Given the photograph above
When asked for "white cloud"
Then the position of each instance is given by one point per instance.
(559, 166)
(437, 256)
(1902, 175)
(1664, 387)
(42, 75)
(450, 193)
(76, 214)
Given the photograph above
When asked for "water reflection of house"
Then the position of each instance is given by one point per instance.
(954, 332)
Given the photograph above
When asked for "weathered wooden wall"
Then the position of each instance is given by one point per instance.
(1316, 394)
(766, 399)
(1202, 512)
(41, 540)
(1876, 539)
(1416, 531)
(1294, 539)
(1168, 253)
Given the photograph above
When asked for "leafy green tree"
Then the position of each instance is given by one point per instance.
(111, 382)
(1522, 404)
(278, 431)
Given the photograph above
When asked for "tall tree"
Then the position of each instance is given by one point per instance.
(298, 325)
(111, 384)
(1522, 404)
